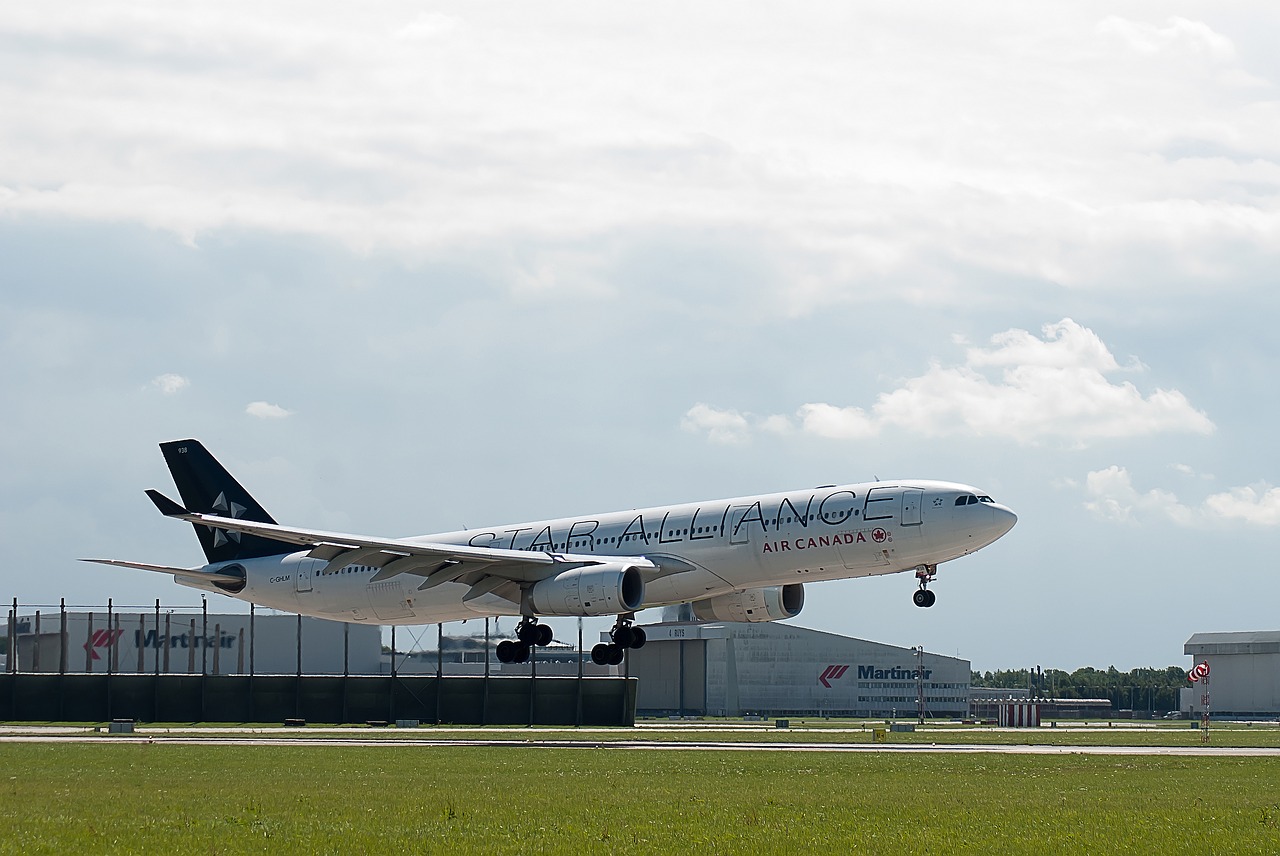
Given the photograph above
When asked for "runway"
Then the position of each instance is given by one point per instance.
(293, 738)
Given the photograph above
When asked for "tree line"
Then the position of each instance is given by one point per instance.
(1138, 689)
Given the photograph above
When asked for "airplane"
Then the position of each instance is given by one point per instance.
(741, 559)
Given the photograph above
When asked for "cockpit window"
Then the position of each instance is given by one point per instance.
(986, 499)
(967, 498)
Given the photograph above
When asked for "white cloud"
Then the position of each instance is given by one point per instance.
(169, 383)
(1259, 505)
(1054, 387)
(1112, 495)
(897, 145)
(721, 426)
(264, 410)
(1179, 35)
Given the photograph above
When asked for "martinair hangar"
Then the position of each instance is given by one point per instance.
(735, 669)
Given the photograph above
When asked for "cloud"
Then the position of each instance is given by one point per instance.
(1179, 35)
(264, 410)
(1113, 496)
(1260, 506)
(976, 138)
(170, 384)
(721, 426)
(1022, 388)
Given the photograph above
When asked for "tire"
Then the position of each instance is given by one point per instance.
(600, 654)
(527, 633)
(616, 653)
(521, 653)
(638, 637)
(622, 636)
(545, 635)
(929, 601)
(505, 652)
(921, 597)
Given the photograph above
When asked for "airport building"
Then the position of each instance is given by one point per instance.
(192, 643)
(694, 668)
(1244, 675)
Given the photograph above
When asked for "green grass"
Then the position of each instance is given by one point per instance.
(151, 798)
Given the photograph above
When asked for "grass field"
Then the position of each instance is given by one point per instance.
(152, 798)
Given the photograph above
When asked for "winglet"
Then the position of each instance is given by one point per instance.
(167, 506)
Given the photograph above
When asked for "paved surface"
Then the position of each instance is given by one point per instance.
(543, 740)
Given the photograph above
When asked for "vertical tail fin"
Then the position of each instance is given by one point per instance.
(206, 487)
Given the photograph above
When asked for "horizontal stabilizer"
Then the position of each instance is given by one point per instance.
(187, 573)
(167, 506)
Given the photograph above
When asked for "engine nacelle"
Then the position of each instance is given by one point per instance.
(605, 589)
(772, 603)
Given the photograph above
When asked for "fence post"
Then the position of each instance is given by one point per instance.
(204, 641)
(110, 644)
(62, 647)
(391, 691)
(297, 679)
(484, 697)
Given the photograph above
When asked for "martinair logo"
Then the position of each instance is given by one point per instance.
(832, 673)
(101, 639)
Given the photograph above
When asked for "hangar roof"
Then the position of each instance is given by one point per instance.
(1242, 642)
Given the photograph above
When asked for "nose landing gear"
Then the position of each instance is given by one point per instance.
(923, 597)
(624, 636)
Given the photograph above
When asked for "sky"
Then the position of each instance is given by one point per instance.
(422, 266)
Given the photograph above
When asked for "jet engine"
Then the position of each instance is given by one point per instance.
(772, 603)
(609, 588)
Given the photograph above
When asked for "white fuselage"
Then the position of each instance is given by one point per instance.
(702, 550)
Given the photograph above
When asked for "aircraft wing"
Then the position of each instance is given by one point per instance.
(438, 563)
(189, 573)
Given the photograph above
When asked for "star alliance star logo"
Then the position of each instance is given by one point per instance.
(222, 537)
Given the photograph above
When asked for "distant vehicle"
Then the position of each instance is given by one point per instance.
(733, 559)
(1173, 714)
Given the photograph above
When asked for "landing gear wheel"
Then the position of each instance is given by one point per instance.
(931, 597)
(506, 652)
(545, 635)
(637, 637)
(923, 597)
(616, 653)
(600, 654)
(519, 652)
(622, 636)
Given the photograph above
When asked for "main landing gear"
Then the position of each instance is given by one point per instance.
(924, 597)
(528, 633)
(624, 636)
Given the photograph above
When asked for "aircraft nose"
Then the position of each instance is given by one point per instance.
(1004, 519)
